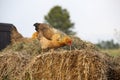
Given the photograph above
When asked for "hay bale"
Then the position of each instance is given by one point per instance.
(70, 65)
(62, 65)
(15, 35)
(33, 47)
(12, 65)
(115, 69)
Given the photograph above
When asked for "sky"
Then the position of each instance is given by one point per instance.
(94, 20)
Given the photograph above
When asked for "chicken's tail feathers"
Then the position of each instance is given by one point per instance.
(36, 26)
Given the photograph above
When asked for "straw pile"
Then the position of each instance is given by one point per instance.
(12, 65)
(70, 65)
(26, 61)
(64, 65)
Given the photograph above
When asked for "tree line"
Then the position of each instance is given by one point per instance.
(110, 44)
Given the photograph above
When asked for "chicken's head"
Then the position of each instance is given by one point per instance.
(67, 40)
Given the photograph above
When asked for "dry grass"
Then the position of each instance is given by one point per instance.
(69, 65)
(51, 66)
(31, 47)
(15, 35)
(25, 60)
(12, 65)
(64, 65)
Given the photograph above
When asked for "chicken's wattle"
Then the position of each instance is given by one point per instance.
(69, 43)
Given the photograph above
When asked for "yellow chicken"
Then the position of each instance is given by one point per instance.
(35, 35)
(50, 37)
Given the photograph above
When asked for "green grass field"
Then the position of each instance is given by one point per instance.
(112, 52)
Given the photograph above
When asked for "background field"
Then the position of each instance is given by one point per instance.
(112, 52)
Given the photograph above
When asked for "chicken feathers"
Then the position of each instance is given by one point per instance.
(51, 37)
(45, 29)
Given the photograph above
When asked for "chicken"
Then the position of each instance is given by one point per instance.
(35, 35)
(50, 37)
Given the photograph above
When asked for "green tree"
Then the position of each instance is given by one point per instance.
(60, 19)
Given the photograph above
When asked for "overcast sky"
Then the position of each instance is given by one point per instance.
(94, 19)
